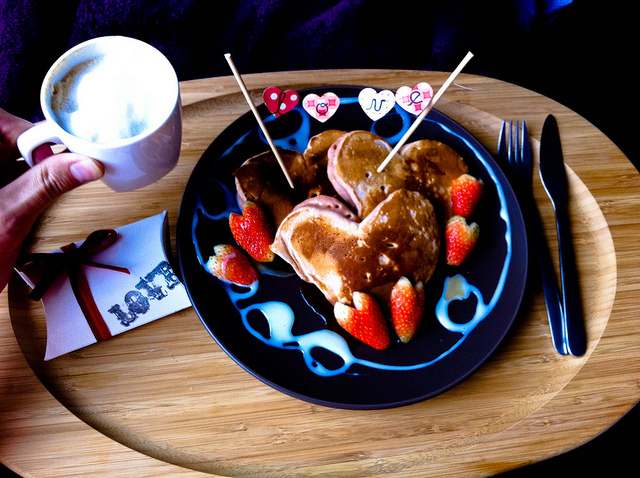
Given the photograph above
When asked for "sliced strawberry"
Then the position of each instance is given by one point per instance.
(465, 194)
(230, 264)
(407, 306)
(253, 232)
(365, 322)
(460, 239)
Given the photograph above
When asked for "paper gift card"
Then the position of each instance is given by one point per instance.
(111, 282)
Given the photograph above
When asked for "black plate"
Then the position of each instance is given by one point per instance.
(440, 356)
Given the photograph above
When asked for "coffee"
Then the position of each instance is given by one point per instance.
(110, 97)
(117, 100)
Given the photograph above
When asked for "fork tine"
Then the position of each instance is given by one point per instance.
(526, 148)
(514, 149)
(518, 145)
(513, 142)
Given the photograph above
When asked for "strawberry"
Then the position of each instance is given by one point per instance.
(230, 264)
(465, 194)
(407, 305)
(460, 239)
(365, 322)
(253, 232)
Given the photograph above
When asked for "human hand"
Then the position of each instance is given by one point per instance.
(23, 199)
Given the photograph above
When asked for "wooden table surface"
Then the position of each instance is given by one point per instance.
(165, 400)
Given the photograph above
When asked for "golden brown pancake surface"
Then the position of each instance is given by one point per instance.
(341, 255)
(260, 179)
(426, 166)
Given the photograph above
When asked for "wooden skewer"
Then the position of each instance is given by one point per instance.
(425, 112)
(258, 118)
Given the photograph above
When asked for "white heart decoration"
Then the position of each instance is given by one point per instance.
(321, 107)
(376, 104)
(414, 100)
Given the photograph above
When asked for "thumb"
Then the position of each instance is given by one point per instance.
(27, 196)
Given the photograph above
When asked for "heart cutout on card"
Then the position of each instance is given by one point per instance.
(376, 104)
(278, 102)
(321, 107)
(416, 99)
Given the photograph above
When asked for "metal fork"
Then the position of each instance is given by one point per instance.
(514, 154)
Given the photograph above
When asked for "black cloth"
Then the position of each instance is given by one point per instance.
(265, 35)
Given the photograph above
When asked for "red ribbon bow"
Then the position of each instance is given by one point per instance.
(72, 258)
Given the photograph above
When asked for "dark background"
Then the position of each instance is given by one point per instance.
(588, 56)
(581, 56)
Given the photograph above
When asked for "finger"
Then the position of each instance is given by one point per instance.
(42, 152)
(22, 200)
(10, 128)
(25, 198)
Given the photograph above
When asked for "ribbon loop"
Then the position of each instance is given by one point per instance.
(98, 241)
(72, 258)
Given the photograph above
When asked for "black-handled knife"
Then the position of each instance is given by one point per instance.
(554, 179)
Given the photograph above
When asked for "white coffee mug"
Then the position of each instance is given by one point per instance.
(115, 99)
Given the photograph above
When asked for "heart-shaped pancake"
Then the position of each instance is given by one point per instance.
(260, 178)
(328, 245)
(426, 166)
(435, 165)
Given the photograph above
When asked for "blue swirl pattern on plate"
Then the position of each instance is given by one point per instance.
(281, 331)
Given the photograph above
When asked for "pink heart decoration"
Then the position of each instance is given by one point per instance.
(321, 107)
(414, 100)
(278, 102)
(376, 104)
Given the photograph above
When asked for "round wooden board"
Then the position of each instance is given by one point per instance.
(169, 392)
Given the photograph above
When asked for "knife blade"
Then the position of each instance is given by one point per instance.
(554, 180)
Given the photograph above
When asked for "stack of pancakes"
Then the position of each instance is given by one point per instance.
(345, 227)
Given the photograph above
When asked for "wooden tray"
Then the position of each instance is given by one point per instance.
(164, 399)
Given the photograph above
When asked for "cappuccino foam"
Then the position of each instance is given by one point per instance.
(108, 98)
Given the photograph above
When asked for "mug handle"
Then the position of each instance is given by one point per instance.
(35, 136)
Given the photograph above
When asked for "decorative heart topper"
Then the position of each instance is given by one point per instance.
(414, 100)
(278, 102)
(376, 104)
(321, 107)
